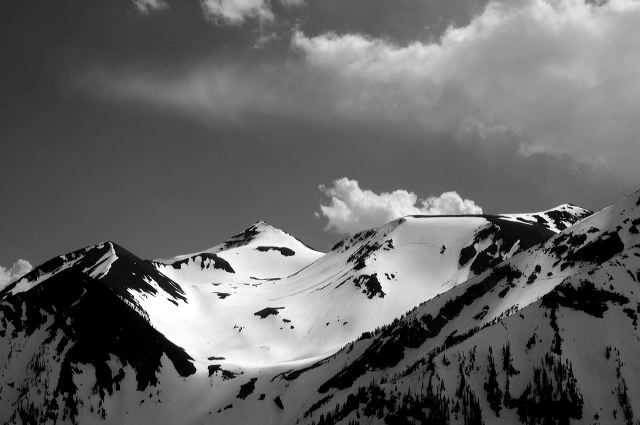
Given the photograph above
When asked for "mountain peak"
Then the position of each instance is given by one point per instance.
(555, 219)
(569, 207)
(261, 226)
(262, 232)
(259, 233)
(256, 230)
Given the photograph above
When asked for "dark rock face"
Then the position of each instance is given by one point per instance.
(127, 272)
(268, 311)
(247, 389)
(131, 271)
(368, 247)
(284, 251)
(599, 250)
(225, 374)
(585, 297)
(242, 238)
(207, 260)
(466, 254)
(278, 402)
(505, 235)
(96, 325)
(370, 285)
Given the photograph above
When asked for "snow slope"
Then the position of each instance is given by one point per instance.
(251, 330)
(365, 281)
(548, 336)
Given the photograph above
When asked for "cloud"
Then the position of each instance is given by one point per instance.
(15, 272)
(228, 91)
(229, 12)
(352, 209)
(147, 6)
(552, 76)
(560, 74)
(236, 12)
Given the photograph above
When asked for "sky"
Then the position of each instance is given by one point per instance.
(169, 125)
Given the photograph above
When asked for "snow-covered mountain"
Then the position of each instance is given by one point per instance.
(555, 219)
(263, 329)
(259, 252)
(548, 336)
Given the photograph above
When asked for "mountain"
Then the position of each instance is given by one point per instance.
(548, 336)
(72, 331)
(261, 328)
(259, 252)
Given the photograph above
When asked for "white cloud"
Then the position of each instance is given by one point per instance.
(236, 12)
(561, 74)
(148, 6)
(352, 209)
(553, 76)
(212, 91)
(231, 12)
(15, 272)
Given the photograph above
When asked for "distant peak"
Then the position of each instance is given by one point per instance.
(258, 229)
(555, 219)
(255, 229)
(568, 206)
(107, 244)
(263, 225)
(258, 233)
(249, 234)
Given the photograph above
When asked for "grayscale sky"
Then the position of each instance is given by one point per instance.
(167, 125)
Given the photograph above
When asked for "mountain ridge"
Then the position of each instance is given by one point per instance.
(286, 347)
(549, 300)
